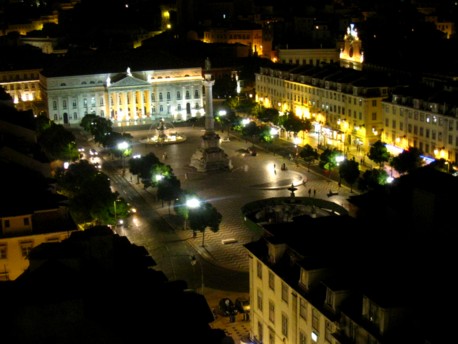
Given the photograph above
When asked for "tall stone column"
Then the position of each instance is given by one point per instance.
(210, 157)
(209, 120)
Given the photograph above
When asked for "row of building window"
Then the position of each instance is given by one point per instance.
(17, 77)
(304, 61)
(18, 86)
(85, 102)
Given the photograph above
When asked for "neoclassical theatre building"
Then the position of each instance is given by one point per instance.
(126, 88)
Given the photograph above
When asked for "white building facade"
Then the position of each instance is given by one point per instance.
(127, 96)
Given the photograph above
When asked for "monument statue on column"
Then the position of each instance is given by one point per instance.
(210, 156)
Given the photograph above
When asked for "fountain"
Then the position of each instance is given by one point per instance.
(162, 137)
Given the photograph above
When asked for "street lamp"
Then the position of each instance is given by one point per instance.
(191, 203)
(122, 146)
(193, 263)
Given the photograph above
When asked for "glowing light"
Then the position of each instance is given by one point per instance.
(193, 203)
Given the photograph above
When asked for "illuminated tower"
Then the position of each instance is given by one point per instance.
(210, 156)
(351, 54)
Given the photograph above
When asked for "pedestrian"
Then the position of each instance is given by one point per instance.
(310, 192)
(314, 192)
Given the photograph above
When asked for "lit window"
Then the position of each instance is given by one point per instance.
(259, 300)
(272, 312)
(284, 292)
(284, 325)
(303, 308)
(3, 251)
(259, 269)
(271, 280)
(26, 247)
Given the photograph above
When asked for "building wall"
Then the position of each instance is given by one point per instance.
(251, 38)
(340, 112)
(14, 250)
(427, 127)
(22, 86)
(308, 56)
(286, 316)
(175, 94)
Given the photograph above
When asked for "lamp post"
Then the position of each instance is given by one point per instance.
(191, 203)
(115, 215)
(193, 263)
(122, 146)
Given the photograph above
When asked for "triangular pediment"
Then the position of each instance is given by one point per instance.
(128, 81)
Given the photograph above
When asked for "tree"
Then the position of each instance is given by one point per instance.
(251, 130)
(407, 161)
(98, 126)
(143, 168)
(349, 171)
(182, 208)
(328, 159)
(203, 217)
(309, 154)
(379, 154)
(169, 189)
(293, 123)
(90, 196)
(372, 179)
(268, 115)
(58, 143)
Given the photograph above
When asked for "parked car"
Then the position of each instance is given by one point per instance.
(227, 307)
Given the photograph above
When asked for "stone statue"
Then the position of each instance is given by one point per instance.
(208, 64)
(128, 71)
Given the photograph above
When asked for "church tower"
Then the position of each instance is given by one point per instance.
(351, 54)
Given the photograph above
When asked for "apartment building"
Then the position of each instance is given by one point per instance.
(23, 87)
(343, 104)
(422, 117)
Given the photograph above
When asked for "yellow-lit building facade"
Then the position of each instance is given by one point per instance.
(20, 233)
(251, 37)
(422, 121)
(281, 314)
(23, 86)
(307, 56)
(343, 105)
(133, 96)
